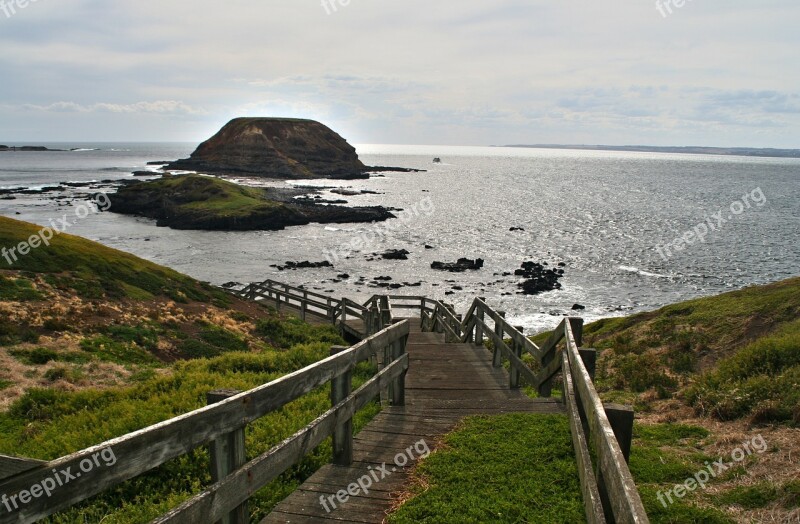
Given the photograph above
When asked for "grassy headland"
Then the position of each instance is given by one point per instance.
(96, 343)
(210, 203)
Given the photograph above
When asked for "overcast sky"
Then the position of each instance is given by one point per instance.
(713, 72)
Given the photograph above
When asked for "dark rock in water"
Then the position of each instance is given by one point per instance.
(377, 169)
(578, 307)
(145, 173)
(517, 229)
(538, 278)
(343, 276)
(562, 264)
(303, 265)
(231, 285)
(463, 264)
(284, 148)
(383, 278)
(159, 162)
(395, 254)
(428, 246)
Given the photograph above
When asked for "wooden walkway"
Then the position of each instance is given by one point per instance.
(445, 383)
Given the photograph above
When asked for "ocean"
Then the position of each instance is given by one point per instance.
(614, 219)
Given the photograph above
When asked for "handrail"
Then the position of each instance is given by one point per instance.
(611, 496)
(148, 448)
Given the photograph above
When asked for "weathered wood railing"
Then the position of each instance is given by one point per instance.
(298, 298)
(608, 489)
(609, 492)
(220, 425)
(308, 302)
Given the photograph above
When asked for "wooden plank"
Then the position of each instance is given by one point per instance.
(593, 505)
(11, 466)
(626, 504)
(215, 501)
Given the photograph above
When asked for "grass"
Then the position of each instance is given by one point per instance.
(730, 356)
(192, 194)
(47, 423)
(662, 456)
(92, 270)
(507, 468)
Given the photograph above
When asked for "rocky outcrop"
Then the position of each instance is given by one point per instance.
(538, 278)
(208, 203)
(463, 264)
(284, 148)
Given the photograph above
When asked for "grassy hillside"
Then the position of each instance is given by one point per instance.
(736, 355)
(706, 376)
(96, 343)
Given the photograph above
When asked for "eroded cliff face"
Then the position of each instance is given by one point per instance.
(282, 148)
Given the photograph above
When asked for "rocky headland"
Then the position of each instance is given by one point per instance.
(282, 148)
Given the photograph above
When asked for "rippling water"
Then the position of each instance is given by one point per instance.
(604, 214)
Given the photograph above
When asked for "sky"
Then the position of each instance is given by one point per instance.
(466, 72)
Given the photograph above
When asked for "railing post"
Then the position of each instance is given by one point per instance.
(621, 419)
(399, 385)
(589, 357)
(481, 314)
(341, 387)
(304, 306)
(497, 356)
(577, 330)
(228, 455)
(513, 370)
(457, 327)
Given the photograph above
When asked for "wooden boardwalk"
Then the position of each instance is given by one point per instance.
(445, 383)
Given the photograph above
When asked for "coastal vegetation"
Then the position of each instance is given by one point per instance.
(96, 343)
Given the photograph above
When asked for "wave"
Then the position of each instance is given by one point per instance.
(81, 150)
(632, 269)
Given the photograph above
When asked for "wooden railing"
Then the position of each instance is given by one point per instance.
(221, 425)
(609, 492)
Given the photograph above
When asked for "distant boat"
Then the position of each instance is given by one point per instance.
(437, 160)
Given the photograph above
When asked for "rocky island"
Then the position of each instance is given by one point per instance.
(209, 203)
(283, 148)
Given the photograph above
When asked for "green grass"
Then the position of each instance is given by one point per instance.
(760, 381)
(92, 270)
(47, 423)
(731, 356)
(662, 456)
(18, 289)
(508, 468)
(209, 196)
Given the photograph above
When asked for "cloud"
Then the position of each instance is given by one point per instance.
(158, 106)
